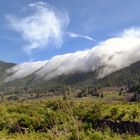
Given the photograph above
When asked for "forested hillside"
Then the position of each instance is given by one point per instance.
(30, 86)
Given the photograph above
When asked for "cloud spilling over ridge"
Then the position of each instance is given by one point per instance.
(112, 54)
(43, 28)
(24, 69)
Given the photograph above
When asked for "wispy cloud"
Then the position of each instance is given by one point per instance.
(74, 35)
(132, 32)
(112, 54)
(45, 27)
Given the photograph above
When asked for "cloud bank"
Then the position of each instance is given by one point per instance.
(24, 69)
(110, 55)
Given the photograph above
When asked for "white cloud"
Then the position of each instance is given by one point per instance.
(43, 28)
(131, 33)
(74, 35)
(24, 69)
(112, 54)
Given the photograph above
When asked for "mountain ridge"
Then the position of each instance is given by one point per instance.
(125, 76)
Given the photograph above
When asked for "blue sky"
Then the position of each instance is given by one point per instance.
(97, 19)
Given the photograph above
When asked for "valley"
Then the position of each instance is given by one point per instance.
(77, 106)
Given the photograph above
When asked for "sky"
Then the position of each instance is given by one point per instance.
(32, 30)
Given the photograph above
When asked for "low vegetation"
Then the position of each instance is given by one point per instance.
(73, 107)
(69, 119)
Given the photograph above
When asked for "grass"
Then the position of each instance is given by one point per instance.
(69, 119)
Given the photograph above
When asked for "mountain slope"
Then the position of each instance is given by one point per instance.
(127, 76)
(3, 67)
